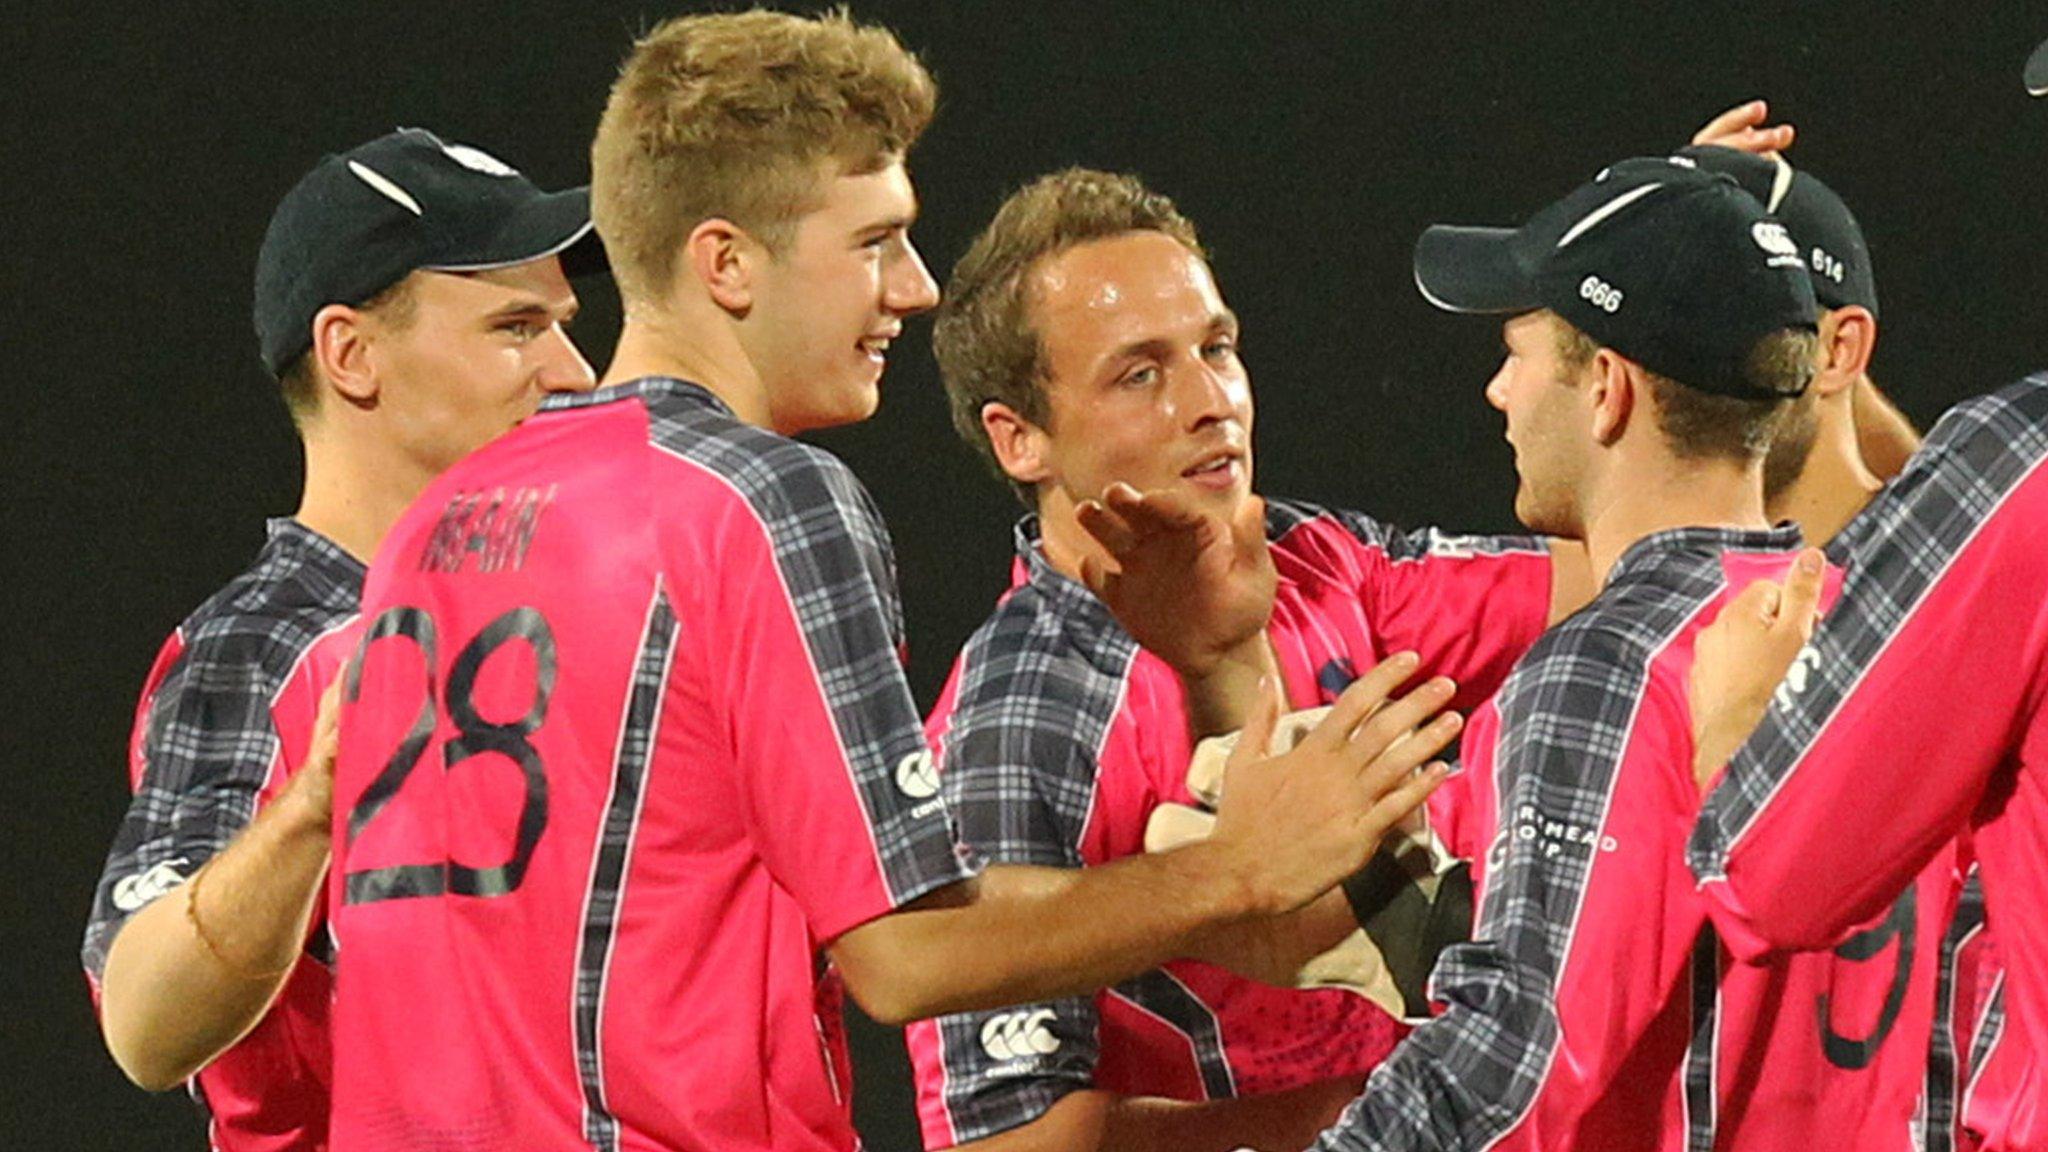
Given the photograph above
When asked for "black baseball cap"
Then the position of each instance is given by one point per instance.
(1678, 269)
(364, 219)
(1826, 231)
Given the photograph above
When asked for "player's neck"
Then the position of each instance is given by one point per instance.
(1061, 537)
(1833, 486)
(699, 348)
(1637, 502)
(353, 497)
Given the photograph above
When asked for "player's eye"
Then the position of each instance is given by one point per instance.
(1220, 347)
(1140, 377)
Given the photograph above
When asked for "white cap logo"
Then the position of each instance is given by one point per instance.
(478, 160)
(1017, 1035)
(917, 776)
(1773, 239)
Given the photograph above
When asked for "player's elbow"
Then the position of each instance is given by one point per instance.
(892, 996)
(140, 1059)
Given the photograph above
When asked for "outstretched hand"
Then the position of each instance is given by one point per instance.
(1188, 586)
(1740, 659)
(1743, 129)
(1302, 821)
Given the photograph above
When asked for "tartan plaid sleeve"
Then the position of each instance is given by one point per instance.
(204, 746)
(1018, 766)
(1482, 1074)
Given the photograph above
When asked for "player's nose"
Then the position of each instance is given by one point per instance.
(563, 368)
(1497, 388)
(910, 288)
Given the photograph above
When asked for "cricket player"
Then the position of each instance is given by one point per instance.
(1661, 333)
(411, 300)
(1822, 471)
(1084, 342)
(628, 754)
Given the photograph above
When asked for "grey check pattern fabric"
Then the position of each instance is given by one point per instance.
(208, 741)
(1945, 1074)
(1040, 684)
(1467, 1077)
(836, 560)
(1899, 547)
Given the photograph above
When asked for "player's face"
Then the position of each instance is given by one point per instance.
(826, 307)
(1547, 425)
(480, 352)
(1144, 384)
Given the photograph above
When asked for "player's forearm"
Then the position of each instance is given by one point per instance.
(1019, 934)
(1273, 949)
(1278, 1122)
(187, 978)
(1884, 437)
(1093, 1120)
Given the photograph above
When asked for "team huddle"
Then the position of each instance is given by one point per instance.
(551, 777)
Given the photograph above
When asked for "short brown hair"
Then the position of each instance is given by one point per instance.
(733, 116)
(987, 348)
(299, 382)
(1704, 426)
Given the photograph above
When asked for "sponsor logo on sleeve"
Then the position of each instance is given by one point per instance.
(1019, 1035)
(1548, 836)
(133, 892)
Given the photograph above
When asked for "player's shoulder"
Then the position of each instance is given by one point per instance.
(1034, 672)
(780, 478)
(2016, 415)
(1295, 526)
(299, 589)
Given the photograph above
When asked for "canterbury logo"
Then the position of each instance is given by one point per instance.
(1775, 241)
(1017, 1035)
(917, 776)
(138, 890)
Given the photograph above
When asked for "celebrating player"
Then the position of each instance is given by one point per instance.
(1944, 578)
(1822, 471)
(1669, 339)
(410, 300)
(648, 649)
(1083, 342)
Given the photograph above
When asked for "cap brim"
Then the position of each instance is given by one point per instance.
(550, 224)
(1461, 269)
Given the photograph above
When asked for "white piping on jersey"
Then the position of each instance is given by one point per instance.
(1820, 729)
(1579, 898)
(277, 697)
(597, 851)
(1990, 1050)
(860, 801)
(1229, 1073)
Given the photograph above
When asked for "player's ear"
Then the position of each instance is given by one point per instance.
(1848, 335)
(726, 259)
(341, 348)
(1613, 381)
(1020, 446)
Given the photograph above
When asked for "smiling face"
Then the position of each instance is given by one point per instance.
(1142, 379)
(1547, 422)
(828, 303)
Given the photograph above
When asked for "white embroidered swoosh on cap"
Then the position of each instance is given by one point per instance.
(384, 185)
(1606, 210)
(1780, 184)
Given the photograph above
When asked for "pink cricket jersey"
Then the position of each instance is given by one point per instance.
(1057, 737)
(628, 744)
(1593, 1009)
(1915, 711)
(225, 719)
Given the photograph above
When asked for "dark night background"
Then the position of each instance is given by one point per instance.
(145, 146)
